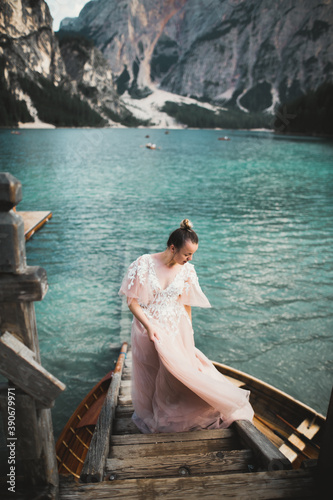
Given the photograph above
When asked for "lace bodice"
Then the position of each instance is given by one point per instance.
(166, 306)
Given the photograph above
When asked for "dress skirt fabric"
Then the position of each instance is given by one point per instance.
(175, 387)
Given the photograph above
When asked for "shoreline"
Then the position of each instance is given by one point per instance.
(47, 126)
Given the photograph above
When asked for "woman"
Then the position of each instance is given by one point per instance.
(175, 386)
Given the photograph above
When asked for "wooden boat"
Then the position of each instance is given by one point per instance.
(293, 427)
(272, 458)
(73, 443)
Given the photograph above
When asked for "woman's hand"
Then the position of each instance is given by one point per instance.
(152, 333)
(137, 311)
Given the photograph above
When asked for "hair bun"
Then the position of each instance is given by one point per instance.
(186, 224)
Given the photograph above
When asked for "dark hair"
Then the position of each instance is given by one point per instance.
(185, 232)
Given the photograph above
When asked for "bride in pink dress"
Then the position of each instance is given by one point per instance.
(175, 387)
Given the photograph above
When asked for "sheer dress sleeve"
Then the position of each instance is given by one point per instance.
(192, 295)
(135, 284)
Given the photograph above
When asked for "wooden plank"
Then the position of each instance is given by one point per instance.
(93, 469)
(28, 286)
(179, 465)
(33, 221)
(158, 449)
(124, 425)
(28, 443)
(125, 399)
(124, 411)
(267, 453)
(172, 437)
(243, 486)
(19, 319)
(126, 383)
(307, 428)
(17, 364)
(276, 440)
(125, 390)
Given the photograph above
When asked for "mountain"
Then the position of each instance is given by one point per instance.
(251, 54)
(220, 63)
(66, 84)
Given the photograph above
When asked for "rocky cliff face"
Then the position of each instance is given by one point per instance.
(27, 42)
(126, 32)
(250, 53)
(30, 50)
(246, 53)
(91, 77)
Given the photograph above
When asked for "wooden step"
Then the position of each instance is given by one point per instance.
(125, 383)
(125, 399)
(124, 411)
(242, 486)
(158, 449)
(179, 465)
(172, 437)
(124, 425)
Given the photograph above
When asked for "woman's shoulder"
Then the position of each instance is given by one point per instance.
(142, 257)
(189, 269)
(141, 261)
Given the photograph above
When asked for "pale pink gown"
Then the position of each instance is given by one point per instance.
(175, 387)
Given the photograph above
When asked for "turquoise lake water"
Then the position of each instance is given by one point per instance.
(263, 209)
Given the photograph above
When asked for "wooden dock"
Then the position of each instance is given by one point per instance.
(191, 465)
(33, 221)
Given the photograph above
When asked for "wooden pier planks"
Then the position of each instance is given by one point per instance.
(94, 465)
(33, 221)
(247, 486)
(192, 465)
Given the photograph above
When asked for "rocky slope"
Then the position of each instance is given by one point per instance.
(91, 77)
(126, 32)
(247, 53)
(27, 42)
(30, 56)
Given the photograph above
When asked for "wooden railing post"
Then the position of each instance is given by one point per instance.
(25, 403)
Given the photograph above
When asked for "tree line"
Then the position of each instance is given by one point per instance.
(195, 116)
(309, 114)
(58, 106)
(54, 105)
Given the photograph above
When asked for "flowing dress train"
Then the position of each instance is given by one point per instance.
(175, 387)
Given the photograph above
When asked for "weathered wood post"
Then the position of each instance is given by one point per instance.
(25, 402)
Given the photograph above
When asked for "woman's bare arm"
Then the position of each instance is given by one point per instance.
(137, 311)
